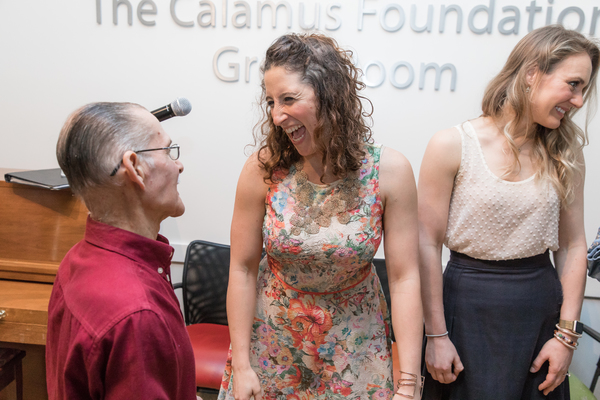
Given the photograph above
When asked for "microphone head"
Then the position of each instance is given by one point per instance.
(181, 106)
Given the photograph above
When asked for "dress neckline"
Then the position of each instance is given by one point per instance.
(319, 185)
(485, 164)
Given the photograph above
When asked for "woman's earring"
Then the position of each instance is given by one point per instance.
(527, 90)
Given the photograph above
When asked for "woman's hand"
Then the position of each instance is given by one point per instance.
(401, 243)
(559, 358)
(246, 248)
(408, 391)
(571, 265)
(246, 385)
(436, 182)
(440, 358)
(398, 397)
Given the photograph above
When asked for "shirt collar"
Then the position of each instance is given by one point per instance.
(131, 245)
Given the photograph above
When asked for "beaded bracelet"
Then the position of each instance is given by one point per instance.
(566, 338)
(412, 381)
(561, 338)
(568, 331)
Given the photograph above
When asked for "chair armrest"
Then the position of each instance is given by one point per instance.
(594, 334)
(178, 285)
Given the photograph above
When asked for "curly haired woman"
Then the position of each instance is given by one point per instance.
(310, 319)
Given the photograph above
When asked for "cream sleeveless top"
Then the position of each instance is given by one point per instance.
(494, 219)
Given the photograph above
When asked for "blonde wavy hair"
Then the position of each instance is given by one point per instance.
(555, 151)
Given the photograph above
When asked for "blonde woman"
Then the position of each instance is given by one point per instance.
(502, 191)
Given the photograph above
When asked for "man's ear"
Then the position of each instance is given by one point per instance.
(134, 170)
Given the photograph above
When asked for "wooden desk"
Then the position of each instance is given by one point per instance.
(37, 228)
(26, 311)
(24, 328)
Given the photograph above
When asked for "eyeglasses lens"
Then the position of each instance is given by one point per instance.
(174, 153)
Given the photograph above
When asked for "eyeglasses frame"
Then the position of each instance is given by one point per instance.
(173, 146)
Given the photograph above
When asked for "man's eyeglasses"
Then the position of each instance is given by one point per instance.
(173, 152)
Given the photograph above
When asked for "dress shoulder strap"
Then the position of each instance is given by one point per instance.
(470, 149)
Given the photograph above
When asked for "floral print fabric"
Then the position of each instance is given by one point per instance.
(321, 328)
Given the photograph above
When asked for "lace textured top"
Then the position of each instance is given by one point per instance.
(494, 219)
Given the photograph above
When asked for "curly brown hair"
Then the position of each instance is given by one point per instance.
(341, 118)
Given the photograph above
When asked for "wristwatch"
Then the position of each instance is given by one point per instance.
(574, 326)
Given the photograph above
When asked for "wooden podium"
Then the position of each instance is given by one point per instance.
(37, 228)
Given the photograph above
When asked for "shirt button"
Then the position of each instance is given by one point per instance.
(160, 270)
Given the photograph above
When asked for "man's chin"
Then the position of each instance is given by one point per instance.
(179, 212)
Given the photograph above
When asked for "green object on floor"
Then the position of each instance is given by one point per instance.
(578, 390)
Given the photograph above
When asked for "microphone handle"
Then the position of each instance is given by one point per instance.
(163, 113)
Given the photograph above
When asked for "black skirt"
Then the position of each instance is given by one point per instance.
(499, 314)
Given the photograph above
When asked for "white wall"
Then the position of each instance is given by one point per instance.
(55, 57)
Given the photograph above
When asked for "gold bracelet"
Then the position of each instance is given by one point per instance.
(573, 326)
(412, 381)
(568, 331)
(564, 342)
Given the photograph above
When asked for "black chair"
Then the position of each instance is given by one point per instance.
(596, 336)
(204, 286)
(578, 389)
(11, 369)
(381, 270)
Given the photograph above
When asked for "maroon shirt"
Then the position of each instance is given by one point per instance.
(115, 330)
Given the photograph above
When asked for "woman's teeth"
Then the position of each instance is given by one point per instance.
(292, 129)
(294, 134)
(560, 110)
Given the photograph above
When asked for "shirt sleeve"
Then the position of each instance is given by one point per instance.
(137, 358)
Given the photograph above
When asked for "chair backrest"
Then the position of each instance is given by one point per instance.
(204, 283)
(383, 278)
(596, 336)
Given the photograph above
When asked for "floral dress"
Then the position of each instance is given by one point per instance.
(321, 327)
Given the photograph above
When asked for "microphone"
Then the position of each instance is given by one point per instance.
(178, 108)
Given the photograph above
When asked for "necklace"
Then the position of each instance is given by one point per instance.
(506, 133)
(312, 211)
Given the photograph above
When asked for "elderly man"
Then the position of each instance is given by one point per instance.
(115, 330)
